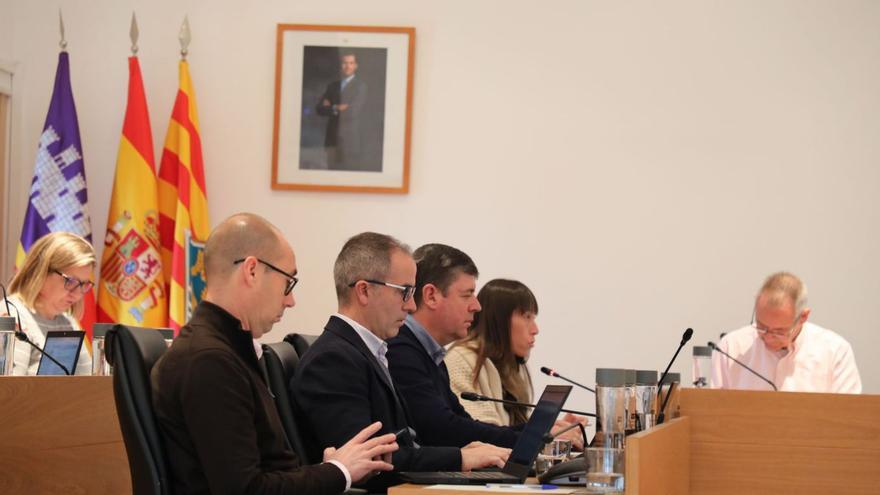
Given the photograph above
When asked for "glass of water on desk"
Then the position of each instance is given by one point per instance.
(605, 469)
(553, 453)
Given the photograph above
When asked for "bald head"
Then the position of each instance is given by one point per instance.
(239, 236)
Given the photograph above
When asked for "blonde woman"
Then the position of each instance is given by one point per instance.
(47, 294)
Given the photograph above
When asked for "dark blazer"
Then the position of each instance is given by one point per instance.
(218, 422)
(439, 417)
(340, 388)
(344, 127)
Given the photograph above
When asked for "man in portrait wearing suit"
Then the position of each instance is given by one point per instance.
(342, 103)
(342, 382)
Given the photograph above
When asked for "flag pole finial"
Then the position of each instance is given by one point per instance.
(185, 37)
(133, 34)
(63, 42)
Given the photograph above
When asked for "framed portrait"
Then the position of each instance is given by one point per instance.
(343, 106)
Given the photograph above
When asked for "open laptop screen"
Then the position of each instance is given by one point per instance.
(531, 440)
(64, 347)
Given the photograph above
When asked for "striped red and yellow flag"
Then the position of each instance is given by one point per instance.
(183, 205)
(132, 285)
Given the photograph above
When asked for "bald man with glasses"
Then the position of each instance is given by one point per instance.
(781, 345)
(342, 383)
(215, 411)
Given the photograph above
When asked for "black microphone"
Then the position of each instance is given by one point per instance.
(549, 372)
(735, 360)
(685, 337)
(477, 397)
(549, 438)
(20, 335)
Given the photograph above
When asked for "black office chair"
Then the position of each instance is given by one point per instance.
(132, 352)
(301, 342)
(280, 360)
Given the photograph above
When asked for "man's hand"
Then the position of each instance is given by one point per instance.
(325, 102)
(364, 456)
(342, 107)
(476, 455)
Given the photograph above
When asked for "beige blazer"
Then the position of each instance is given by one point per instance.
(461, 361)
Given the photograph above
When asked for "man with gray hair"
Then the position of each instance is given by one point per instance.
(342, 383)
(782, 346)
(216, 414)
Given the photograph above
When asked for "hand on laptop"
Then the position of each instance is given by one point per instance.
(476, 455)
(364, 456)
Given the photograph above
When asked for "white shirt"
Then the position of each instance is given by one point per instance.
(376, 345)
(819, 360)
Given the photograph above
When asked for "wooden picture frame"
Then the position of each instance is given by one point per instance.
(343, 108)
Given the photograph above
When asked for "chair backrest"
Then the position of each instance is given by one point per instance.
(280, 360)
(133, 352)
(301, 342)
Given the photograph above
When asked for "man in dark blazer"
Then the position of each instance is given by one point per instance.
(215, 412)
(342, 383)
(446, 282)
(343, 103)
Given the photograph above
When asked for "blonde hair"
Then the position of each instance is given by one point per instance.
(56, 251)
(784, 286)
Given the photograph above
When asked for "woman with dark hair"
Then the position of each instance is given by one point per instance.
(491, 359)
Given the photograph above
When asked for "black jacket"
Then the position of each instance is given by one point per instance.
(439, 417)
(340, 388)
(218, 422)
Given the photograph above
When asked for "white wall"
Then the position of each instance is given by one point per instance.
(641, 165)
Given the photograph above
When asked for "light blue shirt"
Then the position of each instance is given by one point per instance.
(435, 350)
(345, 82)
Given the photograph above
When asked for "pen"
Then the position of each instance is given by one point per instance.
(521, 487)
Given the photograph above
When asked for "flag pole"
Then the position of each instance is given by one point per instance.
(133, 35)
(185, 37)
(63, 42)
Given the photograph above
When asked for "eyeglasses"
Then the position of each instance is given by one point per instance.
(407, 290)
(71, 284)
(291, 280)
(775, 332)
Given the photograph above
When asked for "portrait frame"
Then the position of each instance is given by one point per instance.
(356, 145)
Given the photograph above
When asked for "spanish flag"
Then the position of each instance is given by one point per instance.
(183, 206)
(132, 286)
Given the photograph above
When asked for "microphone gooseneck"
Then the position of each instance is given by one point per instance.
(477, 397)
(550, 372)
(737, 361)
(685, 337)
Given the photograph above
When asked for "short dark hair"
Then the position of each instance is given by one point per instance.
(438, 265)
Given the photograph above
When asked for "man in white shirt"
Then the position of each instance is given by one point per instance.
(782, 346)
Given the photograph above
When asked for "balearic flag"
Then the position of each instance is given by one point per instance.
(132, 287)
(183, 206)
(58, 200)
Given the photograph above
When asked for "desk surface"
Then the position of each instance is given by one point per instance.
(66, 423)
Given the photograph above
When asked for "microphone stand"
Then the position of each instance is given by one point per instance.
(737, 361)
(549, 372)
(482, 398)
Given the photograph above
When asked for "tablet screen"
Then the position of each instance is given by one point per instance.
(64, 347)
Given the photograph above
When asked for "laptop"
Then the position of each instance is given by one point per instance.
(64, 346)
(529, 444)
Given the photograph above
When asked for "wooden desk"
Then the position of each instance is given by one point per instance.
(61, 435)
(731, 442)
